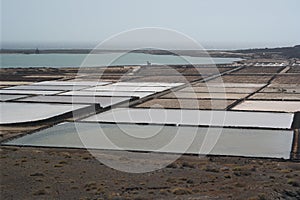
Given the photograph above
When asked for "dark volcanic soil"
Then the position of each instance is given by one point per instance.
(41, 173)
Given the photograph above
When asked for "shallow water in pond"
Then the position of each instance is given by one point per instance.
(172, 139)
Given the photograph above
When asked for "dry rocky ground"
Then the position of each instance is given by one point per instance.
(43, 173)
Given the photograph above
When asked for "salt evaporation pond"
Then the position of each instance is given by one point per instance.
(12, 113)
(195, 118)
(8, 97)
(157, 138)
(103, 101)
(107, 93)
(47, 87)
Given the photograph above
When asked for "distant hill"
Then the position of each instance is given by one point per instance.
(286, 52)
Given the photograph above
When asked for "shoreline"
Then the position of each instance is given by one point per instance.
(283, 52)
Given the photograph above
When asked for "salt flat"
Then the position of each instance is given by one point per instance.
(128, 88)
(108, 93)
(191, 95)
(12, 113)
(48, 87)
(214, 89)
(7, 97)
(274, 106)
(195, 117)
(73, 82)
(35, 92)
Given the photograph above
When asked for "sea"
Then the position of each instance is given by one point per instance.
(103, 59)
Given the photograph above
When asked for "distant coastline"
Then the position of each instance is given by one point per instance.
(281, 52)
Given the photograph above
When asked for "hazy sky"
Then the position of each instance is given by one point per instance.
(214, 23)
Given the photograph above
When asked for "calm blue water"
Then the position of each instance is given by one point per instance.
(106, 59)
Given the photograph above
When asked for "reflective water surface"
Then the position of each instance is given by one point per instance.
(237, 142)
